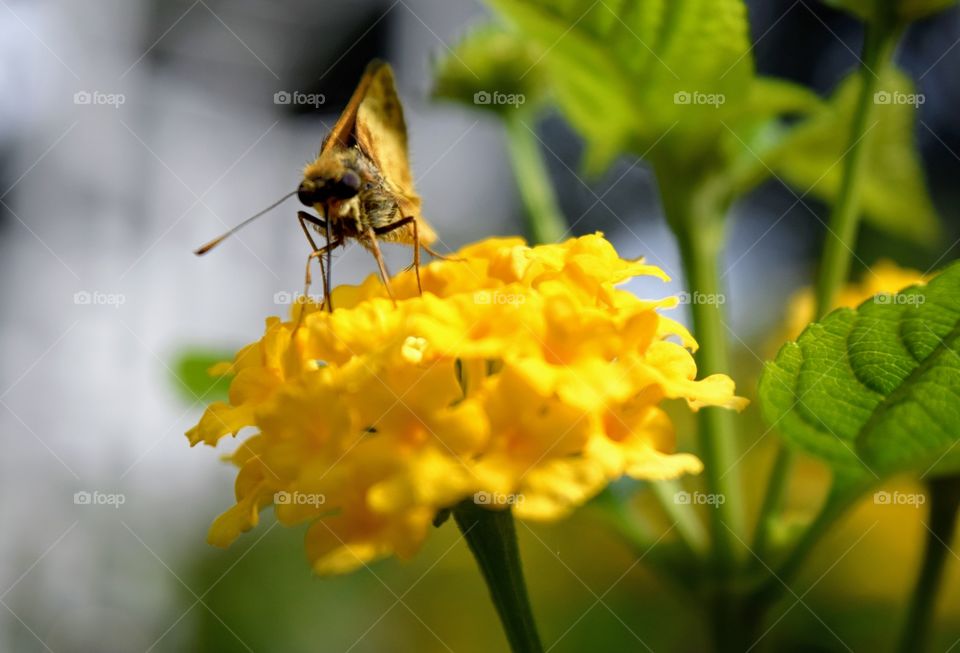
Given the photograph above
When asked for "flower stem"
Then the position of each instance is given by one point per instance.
(545, 223)
(696, 210)
(492, 539)
(772, 501)
(944, 504)
(844, 222)
(879, 39)
(683, 515)
(841, 496)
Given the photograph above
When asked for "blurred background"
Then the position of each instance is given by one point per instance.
(131, 131)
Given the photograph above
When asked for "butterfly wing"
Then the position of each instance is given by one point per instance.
(342, 134)
(381, 132)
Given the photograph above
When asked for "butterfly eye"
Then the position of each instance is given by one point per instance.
(307, 193)
(351, 180)
(346, 187)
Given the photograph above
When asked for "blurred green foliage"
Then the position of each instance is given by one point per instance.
(191, 374)
(900, 10)
(894, 195)
(674, 82)
(491, 59)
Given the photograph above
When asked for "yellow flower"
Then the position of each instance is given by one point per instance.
(884, 277)
(521, 377)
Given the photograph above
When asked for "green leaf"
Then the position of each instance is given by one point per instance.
(903, 11)
(875, 391)
(491, 69)
(192, 378)
(627, 72)
(894, 194)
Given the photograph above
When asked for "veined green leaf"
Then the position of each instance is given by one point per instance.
(875, 391)
(894, 195)
(627, 72)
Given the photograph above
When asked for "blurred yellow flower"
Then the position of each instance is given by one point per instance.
(521, 377)
(884, 276)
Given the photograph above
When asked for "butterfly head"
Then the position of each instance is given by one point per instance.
(327, 180)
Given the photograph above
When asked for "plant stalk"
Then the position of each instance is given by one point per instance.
(492, 538)
(841, 497)
(545, 222)
(840, 240)
(772, 501)
(696, 214)
(844, 223)
(683, 515)
(944, 504)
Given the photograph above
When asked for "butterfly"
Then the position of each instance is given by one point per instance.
(360, 184)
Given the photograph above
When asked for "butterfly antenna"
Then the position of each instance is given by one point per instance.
(219, 239)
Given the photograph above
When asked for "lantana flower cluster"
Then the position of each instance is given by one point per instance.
(520, 378)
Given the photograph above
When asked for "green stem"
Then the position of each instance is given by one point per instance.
(683, 515)
(545, 222)
(696, 210)
(772, 501)
(841, 234)
(677, 568)
(492, 539)
(944, 504)
(840, 498)
(844, 222)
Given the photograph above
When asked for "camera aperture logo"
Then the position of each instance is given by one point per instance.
(697, 297)
(284, 298)
(696, 98)
(484, 498)
(884, 498)
(495, 298)
(299, 98)
(98, 298)
(98, 498)
(899, 299)
(896, 97)
(699, 499)
(99, 98)
(284, 498)
(497, 98)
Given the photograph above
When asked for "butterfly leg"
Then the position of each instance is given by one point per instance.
(327, 300)
(416, 255)
(304, 218)
(416, 239)
(318, 253)
(377, 254)
(435, 254)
